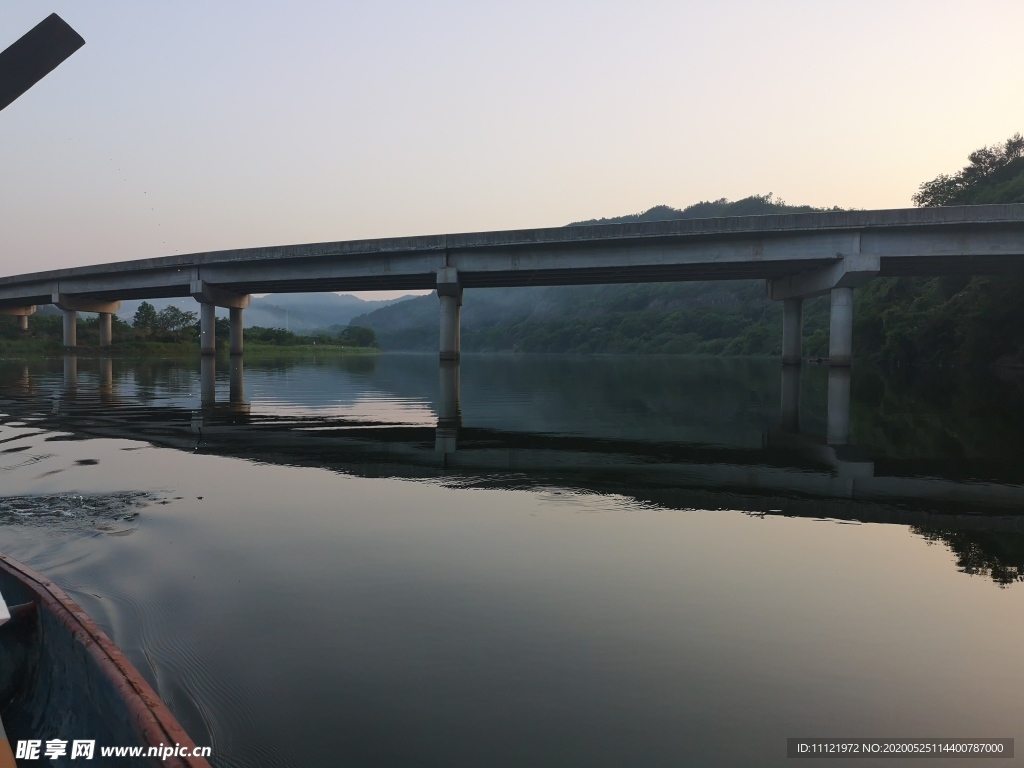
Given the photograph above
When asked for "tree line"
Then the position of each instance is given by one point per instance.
(174, 326)
(951, 320)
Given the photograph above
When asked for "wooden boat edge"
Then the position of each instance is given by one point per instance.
(151, 717)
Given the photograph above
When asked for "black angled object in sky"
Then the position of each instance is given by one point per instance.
(37, 53)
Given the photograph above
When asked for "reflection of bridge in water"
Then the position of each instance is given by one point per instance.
(792, 472)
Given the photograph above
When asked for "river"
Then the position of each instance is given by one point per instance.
(543, 561)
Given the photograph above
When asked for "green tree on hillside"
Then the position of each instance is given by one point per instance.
(994, 175)
(359, 336)
(145, 317)
(171, 319)
(955, 319)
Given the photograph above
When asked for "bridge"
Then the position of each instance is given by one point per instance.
(798, 255)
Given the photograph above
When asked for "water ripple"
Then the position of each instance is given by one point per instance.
(113, 513)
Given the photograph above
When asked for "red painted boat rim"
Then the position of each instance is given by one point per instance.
(151, 717)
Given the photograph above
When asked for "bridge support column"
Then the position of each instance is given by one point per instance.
(207, 329)
(838, 280)
(838, 425)
(106, 328)
(70, 328)
(71, 305)
(210, 297)
(236, 331)
(840, 334)
(449, 292)
(792, 330)
(791, 398)
(22, 314)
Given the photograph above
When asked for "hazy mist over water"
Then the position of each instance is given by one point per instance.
(531, 560)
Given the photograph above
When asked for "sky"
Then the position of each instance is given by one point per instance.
(196, 126)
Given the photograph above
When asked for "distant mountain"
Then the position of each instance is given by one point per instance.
(307, 311)
(410, 325)
(293, 311)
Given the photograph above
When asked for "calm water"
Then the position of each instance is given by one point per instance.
(532, 561)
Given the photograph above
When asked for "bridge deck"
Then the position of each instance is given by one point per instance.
(916, 241)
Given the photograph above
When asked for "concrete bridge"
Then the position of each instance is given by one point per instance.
(798, 255)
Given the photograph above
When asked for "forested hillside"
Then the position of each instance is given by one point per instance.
(755, 205)
(951, 320)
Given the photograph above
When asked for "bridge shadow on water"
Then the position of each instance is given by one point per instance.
(939, 454)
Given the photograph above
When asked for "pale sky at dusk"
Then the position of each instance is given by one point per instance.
(192, 126)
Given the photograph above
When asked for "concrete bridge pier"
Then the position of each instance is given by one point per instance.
(236, 330)
(449, 292)
(71, 305)
(840, 334)
(70, 328)
(838, 426)
(210, 297)
(22, 314)
(207, 329)
(790, 398)
(106, 328)
(838, 280)
(792, 331)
